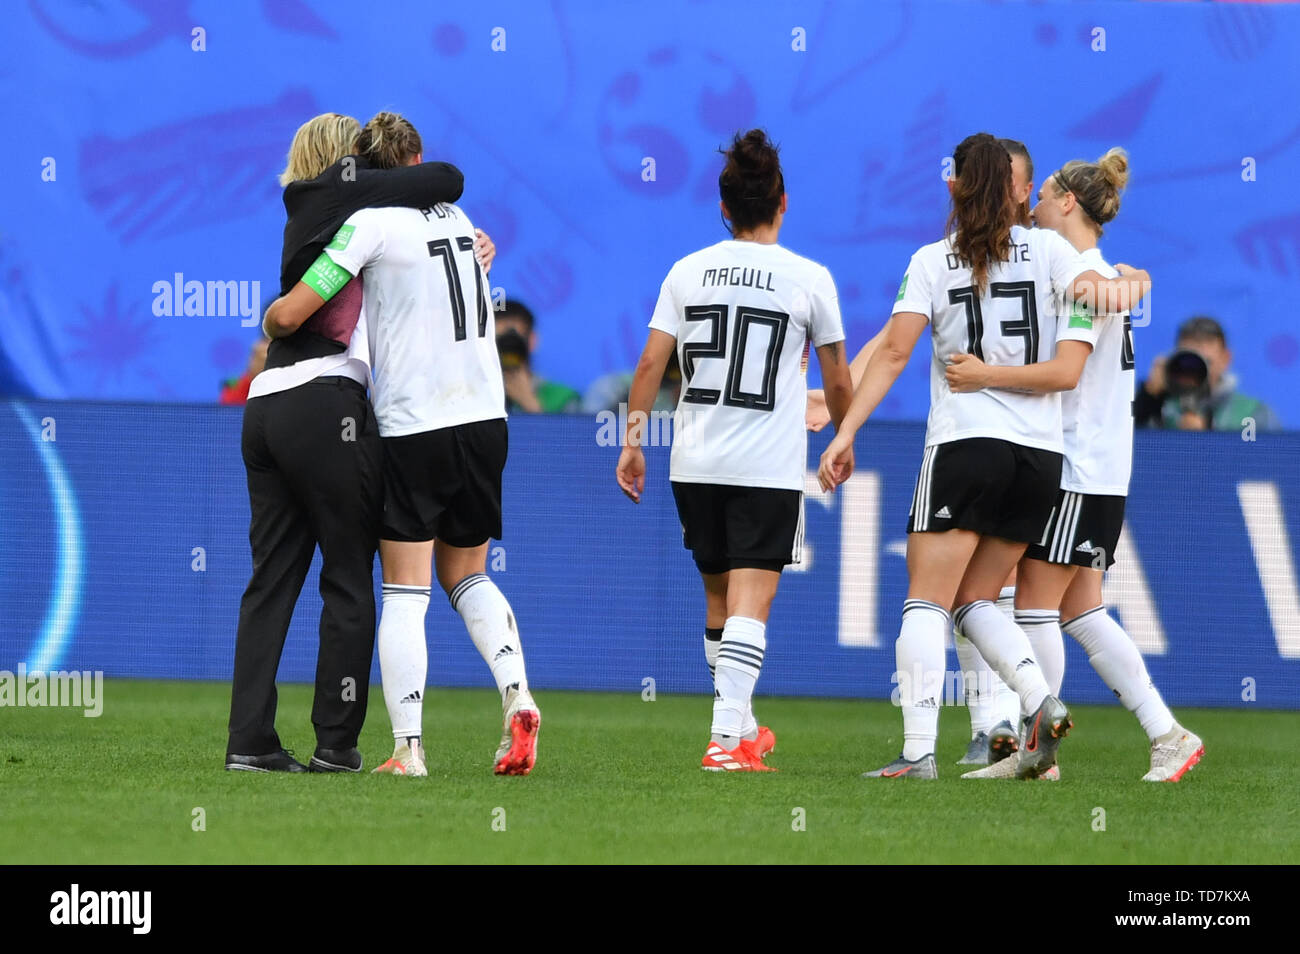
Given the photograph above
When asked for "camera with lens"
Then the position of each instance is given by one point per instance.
(512, 346)
(1187, 377)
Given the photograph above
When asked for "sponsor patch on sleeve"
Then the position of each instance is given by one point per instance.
(342, 237)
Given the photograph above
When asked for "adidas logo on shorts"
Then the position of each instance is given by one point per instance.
(943, 514)
(1084, 547)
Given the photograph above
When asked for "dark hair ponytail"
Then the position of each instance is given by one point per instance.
(751, 183)
(982, 208)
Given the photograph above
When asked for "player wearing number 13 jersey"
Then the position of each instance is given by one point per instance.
(989, 475)
(440, 406)
(740, 315)
(1063, 570)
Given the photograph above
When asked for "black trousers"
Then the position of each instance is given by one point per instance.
(315, 478)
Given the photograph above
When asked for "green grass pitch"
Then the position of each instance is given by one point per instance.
(618, 781)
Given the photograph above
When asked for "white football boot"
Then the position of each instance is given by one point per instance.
(1007, 769)
(1174, 757)
(408, 759)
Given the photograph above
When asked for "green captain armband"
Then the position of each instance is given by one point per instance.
(326, 277)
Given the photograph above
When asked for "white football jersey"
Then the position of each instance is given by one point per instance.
(1012, 322)
(743, 314)
(433, 346)
(1097, 416)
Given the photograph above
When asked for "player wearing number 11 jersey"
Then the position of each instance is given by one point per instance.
(440, 407)
(740, 315)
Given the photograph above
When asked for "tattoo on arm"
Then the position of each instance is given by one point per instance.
(836, 350)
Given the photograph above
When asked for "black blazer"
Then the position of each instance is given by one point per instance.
(317, 207)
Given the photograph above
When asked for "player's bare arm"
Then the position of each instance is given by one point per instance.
(818, 414)
(320, 283)
(887, 362)
(966, 373)
(649, 373)
(1112, 296)
(837, 381)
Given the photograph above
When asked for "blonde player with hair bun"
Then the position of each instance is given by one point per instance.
(1061, 576)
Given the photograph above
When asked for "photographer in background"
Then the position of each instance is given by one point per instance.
(526, 391)
(1193, 390)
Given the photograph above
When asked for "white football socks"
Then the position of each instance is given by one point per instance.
(739, 662)
(1006, 648)
(404, 656)
(919, 657)
(1006, 702)
(1120, 665)
(977, 685)
(1043, 627)
(491, 624)
(712, 642)
(988, 699)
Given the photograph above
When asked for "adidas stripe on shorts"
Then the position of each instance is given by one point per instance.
(1084, 531)
(993, 487)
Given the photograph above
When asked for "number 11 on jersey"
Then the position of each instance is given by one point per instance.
(442, 249)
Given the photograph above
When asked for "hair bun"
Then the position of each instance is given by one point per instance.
(389, 140)
(751, 183)
(1114, 166)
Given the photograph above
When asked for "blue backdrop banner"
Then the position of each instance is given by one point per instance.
(152, 132)
(124, 549)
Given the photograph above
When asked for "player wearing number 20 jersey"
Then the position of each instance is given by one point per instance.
(743, 314)
(740, 315)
